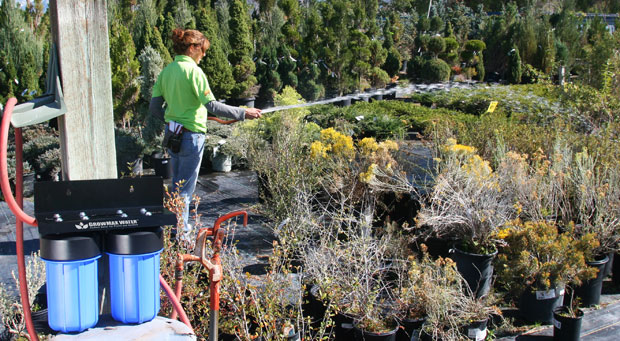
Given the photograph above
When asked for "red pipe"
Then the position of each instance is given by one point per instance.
(223, 218)
(16, 207)
(175, 302)
(4, 176)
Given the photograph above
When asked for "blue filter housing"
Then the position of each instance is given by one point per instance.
(134, 274)
(72, 285)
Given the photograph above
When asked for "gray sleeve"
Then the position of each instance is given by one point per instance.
(156, 107)
(221, 109)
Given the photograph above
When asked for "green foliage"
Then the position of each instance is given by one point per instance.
(436, 70)
(475, 46)
(48, 164)
(241, 52)
(21, 56)
(539, 258)
(145, 19)
(531, 75)
(215, 64)
(392, 62)
(422, 41)
(514, 67)
(424, 24)
(129, 147)
(151, 65)
(436, 45)
(125, 73)
(159, 46)
(38, 146)
(436, 24)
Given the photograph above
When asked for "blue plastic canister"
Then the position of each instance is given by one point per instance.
(72, 285)
(134, 273)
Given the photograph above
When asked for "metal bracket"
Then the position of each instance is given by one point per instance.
(46, 107)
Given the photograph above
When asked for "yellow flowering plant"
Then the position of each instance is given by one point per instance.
(355, 169)
(467, 202)
(536, 256)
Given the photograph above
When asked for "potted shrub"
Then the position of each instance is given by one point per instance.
(129, 151)
(466, 204)
(567, 321)
(225, 145)
(451, 313)
(538, 262)
(349, 276)
(595, 208)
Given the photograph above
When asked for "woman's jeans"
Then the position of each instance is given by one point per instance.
(185, 167)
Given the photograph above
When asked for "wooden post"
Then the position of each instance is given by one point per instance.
(80, 31)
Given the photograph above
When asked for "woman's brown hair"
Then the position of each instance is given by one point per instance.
(183, 39)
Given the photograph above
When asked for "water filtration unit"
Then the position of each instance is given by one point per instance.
(81, 221)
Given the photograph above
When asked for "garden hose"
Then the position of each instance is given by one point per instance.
(16, 208)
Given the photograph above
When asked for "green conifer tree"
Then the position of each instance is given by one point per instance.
(167, 26)
(241, 51)
(515, 70)
(125, 73)
(309, 84)
(158, 44)
(214, 64)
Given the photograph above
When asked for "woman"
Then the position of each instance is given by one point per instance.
(185, 89)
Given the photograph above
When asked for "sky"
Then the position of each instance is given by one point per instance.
(23, 2)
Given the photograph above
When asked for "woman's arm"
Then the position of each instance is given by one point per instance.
(228, 111)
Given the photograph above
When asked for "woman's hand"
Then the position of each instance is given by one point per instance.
(252, 113)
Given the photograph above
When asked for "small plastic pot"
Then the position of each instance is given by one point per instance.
(363, 335)
(408, 328)
(566, 328)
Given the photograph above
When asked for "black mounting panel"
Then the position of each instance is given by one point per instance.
(98, 205)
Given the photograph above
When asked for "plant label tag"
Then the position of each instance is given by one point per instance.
(545, 295)
(557, 323)
(347, 326)
(477, 334)
(359, 118)
(492, 106)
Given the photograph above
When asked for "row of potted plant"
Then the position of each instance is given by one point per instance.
(362, 271)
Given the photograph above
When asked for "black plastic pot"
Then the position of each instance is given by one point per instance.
(162, 165)
(566, 328)
(615, 270)
(345, 102)
(363, 335)
(477, 330)
(538, 306)
(409, 328)
(389, 94)
(316, 306)
(590, 291)
(247, 101)
(477, 270)
(361, 98)
(609, 266)
(377, 96)
(226, 337)
(343, 328)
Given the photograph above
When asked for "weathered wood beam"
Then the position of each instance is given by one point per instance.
(80, 31)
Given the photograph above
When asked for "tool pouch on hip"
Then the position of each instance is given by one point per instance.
(172, 141)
